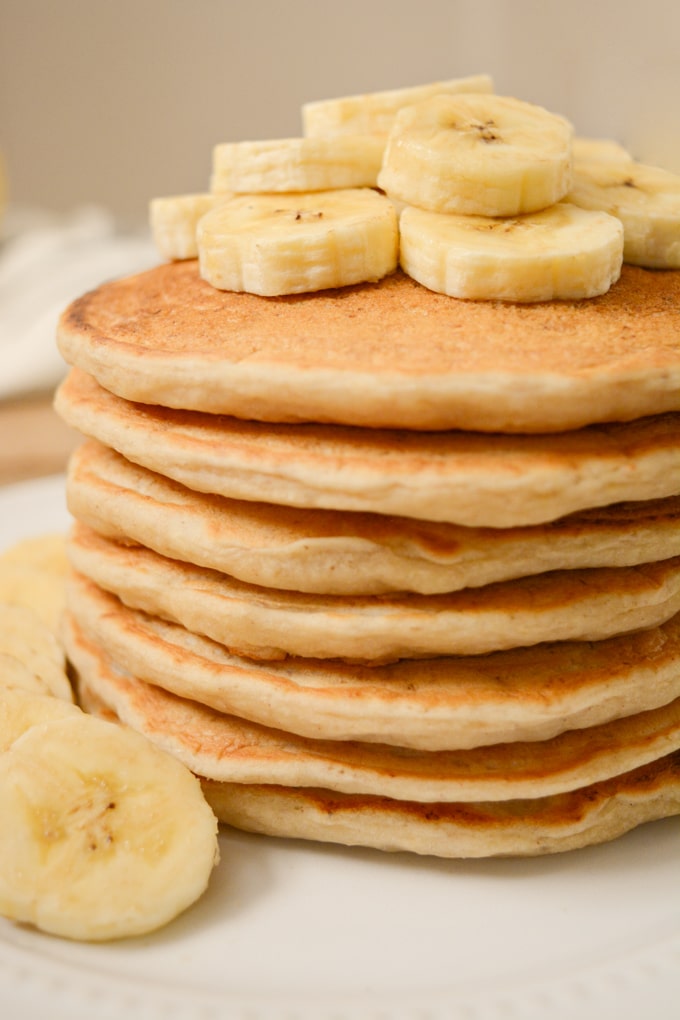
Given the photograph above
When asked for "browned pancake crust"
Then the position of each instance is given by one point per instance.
(561, 809)
(266, 623)
(385, 354)
(459, 477)
(230, 749)
(568, 821)
(336, 552)
(427, 704)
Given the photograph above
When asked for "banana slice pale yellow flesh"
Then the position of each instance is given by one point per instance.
(600, 149)
(42, 591)
(104, 836)
(26, 637)
(475, 154)
(374, 112)
(559, 253)
(46, 551)
(22, 709)
(295, 243)
(645, 198)
(173, 220)
(297, 164)
(298, 215)
(16, 675)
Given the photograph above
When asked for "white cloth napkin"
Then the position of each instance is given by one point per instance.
(45, 262)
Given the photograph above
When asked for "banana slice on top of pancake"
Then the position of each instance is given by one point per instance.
(558, 253)
(374, 112)
(297, 164)
(173, 220)
(600, 149)
(645, 198)
(299, 242)
(478, 154)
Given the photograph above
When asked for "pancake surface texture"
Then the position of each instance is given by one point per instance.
(463, 478)
(599, 811)
(343, 553)
(427, 704)
(268, 624)
(229, 749)
(568, 821)
(168, 337)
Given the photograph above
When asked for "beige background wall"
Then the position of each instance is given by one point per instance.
(113, 102)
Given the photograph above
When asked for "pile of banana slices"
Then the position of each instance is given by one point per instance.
(103, 835)
(473, 194)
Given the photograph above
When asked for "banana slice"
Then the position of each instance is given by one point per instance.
(104, 836)
(173, 221)
(374, 112)
(39, 590)
(645, 198)
(483, 155)
(46, 552)
(297, 164)
(560, 252)
(27, 638)
(291, 244)
(15, 675)
(600, 149)
(19, 710)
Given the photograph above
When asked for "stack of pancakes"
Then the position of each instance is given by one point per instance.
(382, 566)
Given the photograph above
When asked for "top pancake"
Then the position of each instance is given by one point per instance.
(387, 355)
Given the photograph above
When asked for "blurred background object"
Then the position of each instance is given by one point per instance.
(104, 106)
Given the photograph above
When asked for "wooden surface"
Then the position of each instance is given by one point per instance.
(33, 440)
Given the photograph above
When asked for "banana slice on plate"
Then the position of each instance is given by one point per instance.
(47, 551)
(474, 154)
(20, 709)
(297, 164)
(173, 221)
(26, 637)
(561, 252)
(16, 675)
(42, 591)
(374, 112)
(104, 836)
(290, 244)
(645, 198)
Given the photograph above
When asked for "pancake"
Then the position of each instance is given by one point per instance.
(228, 749)
(426, 704)
(470, 479)
(265, 623)
(343, 553)
(568, 821)
(558, 823)
(389, 355)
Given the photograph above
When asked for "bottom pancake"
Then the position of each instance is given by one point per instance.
(527, 828)
(357, 811)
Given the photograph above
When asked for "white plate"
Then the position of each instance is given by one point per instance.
(295, 931)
